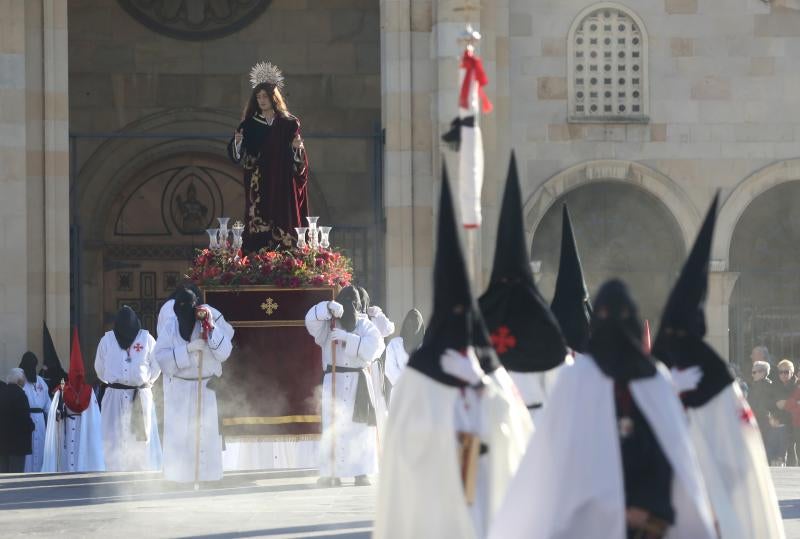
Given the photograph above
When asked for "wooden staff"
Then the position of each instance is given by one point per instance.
(201, 316)
(333, 402)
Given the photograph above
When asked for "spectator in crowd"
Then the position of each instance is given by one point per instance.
(760, 395)
(784, 387)
(16, 424)
(792, 405)
(762, 401)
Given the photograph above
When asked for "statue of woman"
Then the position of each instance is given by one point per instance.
(269, 147)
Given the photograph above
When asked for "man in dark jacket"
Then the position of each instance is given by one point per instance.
(784, 387)
(761, 395)
(15, 424)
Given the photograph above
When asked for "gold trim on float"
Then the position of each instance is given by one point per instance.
(274, 438)
(267, 323)
(274, 420)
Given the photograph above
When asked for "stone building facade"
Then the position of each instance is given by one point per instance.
(689, 97)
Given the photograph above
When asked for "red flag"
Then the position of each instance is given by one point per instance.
(647, 344)
(77, 393)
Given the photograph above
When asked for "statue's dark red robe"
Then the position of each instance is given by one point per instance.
(275, 181)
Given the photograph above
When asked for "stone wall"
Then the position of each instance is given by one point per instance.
(34, 178)
(723, 105)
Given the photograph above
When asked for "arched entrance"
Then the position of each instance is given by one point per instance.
(622, 231)
(155, 224)
(765, 252)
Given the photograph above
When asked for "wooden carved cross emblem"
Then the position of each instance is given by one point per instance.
(269, 306)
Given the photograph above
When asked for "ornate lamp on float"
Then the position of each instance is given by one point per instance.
(313, 236)
(219, 239)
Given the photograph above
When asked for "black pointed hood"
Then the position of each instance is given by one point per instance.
(680, 341)
(126, 327)
(456, 321)
(524, 332)
(412, 331)
(184, 308)
(616, 335)
(350, 299)
(54, 372)
(28, 364)
(571, 305)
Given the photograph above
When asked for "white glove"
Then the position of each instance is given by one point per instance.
(686, 379)
(465, 367)
(338, 334)
(336, 309)
(374, 311)
(196, 345)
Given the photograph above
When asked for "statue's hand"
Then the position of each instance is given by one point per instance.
(297, 143)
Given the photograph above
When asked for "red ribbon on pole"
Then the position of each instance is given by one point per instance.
(474, 70)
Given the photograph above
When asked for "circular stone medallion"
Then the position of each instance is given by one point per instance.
(194, 20)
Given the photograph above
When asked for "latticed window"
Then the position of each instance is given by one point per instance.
(607, 63)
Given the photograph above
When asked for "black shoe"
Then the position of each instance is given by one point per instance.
(335, 482)
(362, 481)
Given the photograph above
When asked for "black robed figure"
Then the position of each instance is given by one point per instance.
(524, 332)
(571, 304)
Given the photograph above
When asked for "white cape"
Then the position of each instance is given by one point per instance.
(569, 484)
(419, 489)
(86, 441)
(734, 465)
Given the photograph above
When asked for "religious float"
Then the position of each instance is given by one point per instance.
(269, 403)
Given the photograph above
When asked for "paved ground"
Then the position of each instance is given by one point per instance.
(253, 504)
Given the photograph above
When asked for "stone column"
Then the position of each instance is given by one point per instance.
(720, 288)
(407, 74)
(34, 177)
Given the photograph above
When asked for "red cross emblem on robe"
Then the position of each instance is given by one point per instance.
(503, 340)
(747, 416)
(137, 347)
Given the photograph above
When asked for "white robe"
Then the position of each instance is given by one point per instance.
(385, 327)
(38, 397)
(734, 465)
(420, 493)
(396, 360)
(347, 449)
(534, 386)
(123, 451)
(570, 482)
(180, 368)
(74, 443)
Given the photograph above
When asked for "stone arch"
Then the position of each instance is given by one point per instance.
(758, 242)
(664, 189)
(113, 169)
(743, 195)
(118, 159)
(622, 232)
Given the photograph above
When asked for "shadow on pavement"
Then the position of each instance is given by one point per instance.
(790, 509)
(95, 489)
(354, 528)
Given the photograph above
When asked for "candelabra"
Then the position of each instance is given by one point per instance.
(312, 235)
(222, 239)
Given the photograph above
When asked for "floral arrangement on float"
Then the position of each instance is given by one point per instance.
(309, 262)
